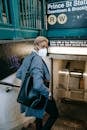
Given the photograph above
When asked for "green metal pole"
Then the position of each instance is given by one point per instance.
(15, 16)
(43, 14)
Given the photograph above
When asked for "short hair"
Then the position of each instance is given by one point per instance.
(39, 40)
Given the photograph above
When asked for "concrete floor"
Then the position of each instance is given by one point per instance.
(62, 124)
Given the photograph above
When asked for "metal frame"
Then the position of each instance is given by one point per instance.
(24, 19)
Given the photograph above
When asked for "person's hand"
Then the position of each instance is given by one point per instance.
(50, 96)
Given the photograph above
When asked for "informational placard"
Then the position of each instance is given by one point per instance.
(68, 43)
(67, 14)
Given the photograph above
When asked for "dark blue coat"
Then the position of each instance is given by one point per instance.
(40, 73)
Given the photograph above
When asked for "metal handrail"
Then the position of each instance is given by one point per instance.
(8, 89)
(9, 84)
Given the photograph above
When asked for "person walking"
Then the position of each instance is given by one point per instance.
(41, 80)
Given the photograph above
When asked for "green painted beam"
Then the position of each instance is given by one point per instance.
(81, 32)
(6, 33)
(14, 12)
(10, 33)
(25, 33)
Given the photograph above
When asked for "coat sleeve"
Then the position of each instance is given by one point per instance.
(38, 77)
(21, 71)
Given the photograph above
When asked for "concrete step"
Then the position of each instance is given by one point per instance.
(68, 124)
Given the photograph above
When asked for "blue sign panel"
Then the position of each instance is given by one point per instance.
(67, 14)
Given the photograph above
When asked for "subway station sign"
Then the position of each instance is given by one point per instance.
(67, 14)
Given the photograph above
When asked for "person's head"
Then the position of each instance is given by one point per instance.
(41, 45)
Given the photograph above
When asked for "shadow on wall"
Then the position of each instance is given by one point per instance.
(11, 56)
